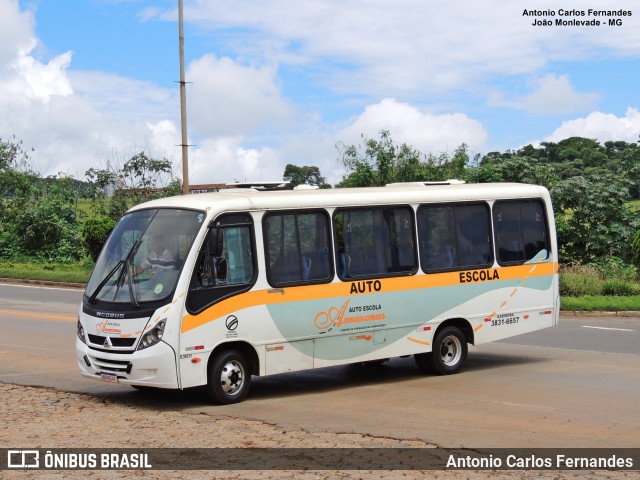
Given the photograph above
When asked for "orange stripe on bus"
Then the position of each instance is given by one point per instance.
(417, 341)
(343, 289)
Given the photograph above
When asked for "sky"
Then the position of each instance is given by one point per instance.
(90, 83)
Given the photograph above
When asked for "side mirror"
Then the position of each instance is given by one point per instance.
(219, 242)
(216, 242)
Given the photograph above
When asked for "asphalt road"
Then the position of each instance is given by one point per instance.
(575, 385)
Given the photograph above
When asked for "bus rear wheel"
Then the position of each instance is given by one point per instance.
(229, 377)
(448, 354)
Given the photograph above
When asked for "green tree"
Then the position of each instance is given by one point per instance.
(624, 159)
(371, 167)
(141, 178)
(381, 161)
(15, 172)
(306, 175)
(42, 221)
(592, 219)
(512, 168)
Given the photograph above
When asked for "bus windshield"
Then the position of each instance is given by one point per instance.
(142, 259)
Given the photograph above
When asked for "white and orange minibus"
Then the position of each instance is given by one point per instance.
(214, 288)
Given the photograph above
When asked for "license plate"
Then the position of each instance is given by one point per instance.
(108, 377)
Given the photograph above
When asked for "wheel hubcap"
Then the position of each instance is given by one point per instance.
(450, 350)
(232, 378)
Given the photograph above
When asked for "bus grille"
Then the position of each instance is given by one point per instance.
(121, 366)
(115, 341)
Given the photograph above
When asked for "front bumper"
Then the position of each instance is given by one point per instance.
(152, 367)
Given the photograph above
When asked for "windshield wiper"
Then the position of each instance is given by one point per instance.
(127, 270)
(93, 296)
(132, 293)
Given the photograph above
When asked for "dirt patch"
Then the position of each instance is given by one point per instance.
(35, 417)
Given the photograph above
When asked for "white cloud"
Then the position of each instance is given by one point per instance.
(226, 98)
(410, 46)
(427, 132)
(125, 98)
(74, 120)
(45, 80)
(551, 95)
(602, 127)
(163, 136)
(241, 121)
(223, 160)
(16, 29)
(78, 119)
(21, 76)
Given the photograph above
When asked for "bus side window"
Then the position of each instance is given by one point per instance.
(454, 236)
(297, 247)
(377, 241)
(225, 263)
(237, 254)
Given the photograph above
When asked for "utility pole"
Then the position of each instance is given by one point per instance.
(183, 106)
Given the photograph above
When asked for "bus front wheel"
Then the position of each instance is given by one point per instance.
(229, 377)
(448, 354)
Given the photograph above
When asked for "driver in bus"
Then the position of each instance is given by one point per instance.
(159, 259)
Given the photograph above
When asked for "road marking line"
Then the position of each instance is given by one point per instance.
(609, 328)
(25, 347)
(48, 287)
(38, 315)
(523, 405)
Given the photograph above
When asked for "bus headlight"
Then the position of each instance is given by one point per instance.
(80, 332)
(153, 336)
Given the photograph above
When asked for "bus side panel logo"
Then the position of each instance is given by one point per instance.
(232, 323)
(333, 316)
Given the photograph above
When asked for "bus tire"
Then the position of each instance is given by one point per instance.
(448, 354)
(229, 377)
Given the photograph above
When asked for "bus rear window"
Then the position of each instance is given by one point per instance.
(521, 231)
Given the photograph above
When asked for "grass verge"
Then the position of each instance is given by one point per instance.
(52, 272)
(592, 303)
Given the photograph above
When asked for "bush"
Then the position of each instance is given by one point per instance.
(95, 233)
(611, 278)
(635, 249)
(580, 281)
(614, 267)
(621, 288)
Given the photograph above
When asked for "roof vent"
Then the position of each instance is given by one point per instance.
(451, 181)
(261, 186)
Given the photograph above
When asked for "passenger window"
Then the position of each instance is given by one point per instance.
(375, 242)
(454, 237)
(521, 231)
(226, 262)
(297, 248)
